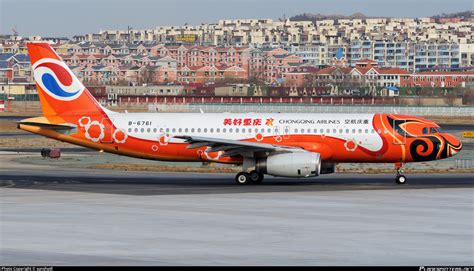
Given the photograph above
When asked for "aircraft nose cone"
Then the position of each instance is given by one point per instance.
(460, 147)
(453, 143)
(457, 146)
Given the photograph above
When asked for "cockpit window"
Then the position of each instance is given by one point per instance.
(431, 130)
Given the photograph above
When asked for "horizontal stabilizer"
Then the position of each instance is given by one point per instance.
(51, 126)
(42, 122)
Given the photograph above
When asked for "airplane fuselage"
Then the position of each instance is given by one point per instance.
(337, 137)
(289, 145)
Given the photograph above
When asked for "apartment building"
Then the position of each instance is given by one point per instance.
(241, 32)
(367, 74)
(274, 52)
(406, 55)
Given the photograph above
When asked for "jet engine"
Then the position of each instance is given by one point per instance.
(298, 164)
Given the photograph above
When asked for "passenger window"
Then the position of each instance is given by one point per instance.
(334, 131)
(211, 130)
(167, 130)
(129, 130)
(199, 130)
(353, 131)
(424, 131)
(236, 130)
(347, 131)
(192, 130)
(136, 130)
(142, 130)
(366, 131)
(321, 131)
(186, 130)
(230, 130)
(148, 130)
(154, 130)
(205, 130)
(224, 130)
(218, 130)
(302, 130)
(174, 130)
(360, 131)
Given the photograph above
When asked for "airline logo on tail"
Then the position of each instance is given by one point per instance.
(59, 90)
(55, 78)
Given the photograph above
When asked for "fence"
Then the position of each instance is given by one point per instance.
(277, 108)
(464, 163)
(19, 97)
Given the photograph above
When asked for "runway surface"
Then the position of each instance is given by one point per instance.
(66, 216)
(152, 183)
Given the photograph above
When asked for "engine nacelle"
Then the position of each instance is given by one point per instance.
(299, 164)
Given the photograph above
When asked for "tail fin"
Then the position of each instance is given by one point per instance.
(59, 90)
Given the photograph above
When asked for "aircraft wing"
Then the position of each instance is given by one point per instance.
(234, 147)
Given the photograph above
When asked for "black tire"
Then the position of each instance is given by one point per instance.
(400, 179)
(242, 178)
(256, 177)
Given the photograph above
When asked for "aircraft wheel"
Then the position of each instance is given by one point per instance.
(400, 179)
(242, 178)
(256, 177)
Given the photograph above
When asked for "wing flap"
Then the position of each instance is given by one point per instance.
(233, 147)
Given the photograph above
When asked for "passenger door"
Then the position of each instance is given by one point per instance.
(400, 136)
(107, 124)
(277, 134)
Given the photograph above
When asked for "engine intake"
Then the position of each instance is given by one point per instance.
(304, 164)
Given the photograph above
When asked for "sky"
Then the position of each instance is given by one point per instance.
(71, 17)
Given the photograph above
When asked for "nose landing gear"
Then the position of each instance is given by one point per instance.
(400, 179)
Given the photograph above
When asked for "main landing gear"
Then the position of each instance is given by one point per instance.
(253, 177)
(400, 179)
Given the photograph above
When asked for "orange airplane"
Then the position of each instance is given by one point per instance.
(278, 144)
